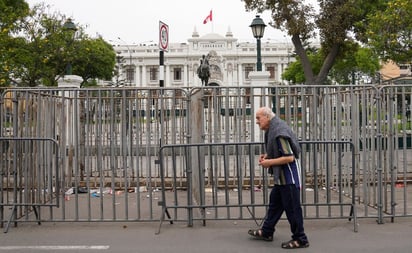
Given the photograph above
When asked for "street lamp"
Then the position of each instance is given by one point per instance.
(258, 29)
(70, 27)
(129, 76)
(119, 60)
(131, 69)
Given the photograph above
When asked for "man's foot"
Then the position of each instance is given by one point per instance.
(258, 234)
(294, 244)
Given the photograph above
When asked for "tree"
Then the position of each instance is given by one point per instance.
(360, 61)
(294, 72)
(41, 51)
(95, 59)
(12, 12)
(336, 21)
(389, 31)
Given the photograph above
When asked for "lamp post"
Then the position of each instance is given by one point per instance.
(119, 60)
(70, 27)
(258, 29)
(129, 77)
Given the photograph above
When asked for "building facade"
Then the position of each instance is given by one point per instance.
(230, 62)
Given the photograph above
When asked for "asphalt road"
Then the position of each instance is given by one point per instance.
(331, 236)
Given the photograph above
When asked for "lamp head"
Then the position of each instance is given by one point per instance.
(69, 25)
(258, 27)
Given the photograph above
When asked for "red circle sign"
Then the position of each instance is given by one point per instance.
(163, 36)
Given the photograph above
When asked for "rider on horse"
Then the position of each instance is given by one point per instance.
(203, 70)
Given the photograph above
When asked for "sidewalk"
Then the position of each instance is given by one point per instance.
(331, 236)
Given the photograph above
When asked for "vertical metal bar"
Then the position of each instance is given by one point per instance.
(189, 187)
(380, 156)
(201, 185)
(316, 179)
(226, 177)
(354, 206)
(239, 176)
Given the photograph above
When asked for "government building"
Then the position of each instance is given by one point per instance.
(230, 62)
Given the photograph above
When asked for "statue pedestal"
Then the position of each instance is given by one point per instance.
(70, 81)
(258, 79)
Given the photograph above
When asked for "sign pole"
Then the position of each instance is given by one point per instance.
(163, 46)
(161, 68)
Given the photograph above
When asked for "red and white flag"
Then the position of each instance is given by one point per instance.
(208, 18)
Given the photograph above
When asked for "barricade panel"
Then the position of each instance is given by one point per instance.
(30, 178)
(224, 181)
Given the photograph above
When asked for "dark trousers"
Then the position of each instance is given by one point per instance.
(285, 198)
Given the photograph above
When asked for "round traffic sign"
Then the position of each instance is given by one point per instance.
(164, 36)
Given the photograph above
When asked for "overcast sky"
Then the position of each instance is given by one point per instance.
(137, 21)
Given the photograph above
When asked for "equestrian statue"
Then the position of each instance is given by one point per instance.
(203, 71)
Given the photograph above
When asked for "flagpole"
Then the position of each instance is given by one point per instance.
(211, 21)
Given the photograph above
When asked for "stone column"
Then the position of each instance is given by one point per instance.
(133, 83)
(259, 80)
(144, 76)
(196, 171)
(240, 74)
(137, 77)
(185, 75)
(168, 76)
(67, 132)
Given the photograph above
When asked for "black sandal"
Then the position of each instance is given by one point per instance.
(294, 244)
(258, 234)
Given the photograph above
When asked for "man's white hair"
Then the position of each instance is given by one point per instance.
(267, 112)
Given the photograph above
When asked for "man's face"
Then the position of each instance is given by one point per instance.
(262, 120)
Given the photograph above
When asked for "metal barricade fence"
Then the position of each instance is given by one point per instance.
(33, 178)
(224, 182)
(394, 164)
(109, 138)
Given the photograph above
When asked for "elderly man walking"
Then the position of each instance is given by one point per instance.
(282, 152)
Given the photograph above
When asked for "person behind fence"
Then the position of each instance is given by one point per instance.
(281, 159)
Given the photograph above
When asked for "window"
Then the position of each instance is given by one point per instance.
(247, 70)
(130, 75)
(153, 73)
(177, 74)
(247, 95)
(271, 70)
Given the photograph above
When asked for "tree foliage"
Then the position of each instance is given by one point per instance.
(96, 59)
(40, 48)
(353, 66)
(390, 31)
(338, 22)
(12, 12)
(294, 72)
(356, 61)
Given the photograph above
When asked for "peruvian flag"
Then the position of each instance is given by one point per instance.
(208, 18)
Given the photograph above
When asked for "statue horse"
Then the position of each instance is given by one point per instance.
(204, 73)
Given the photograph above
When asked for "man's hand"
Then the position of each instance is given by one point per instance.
(266, 163)
(263, 161)
(262, 157)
